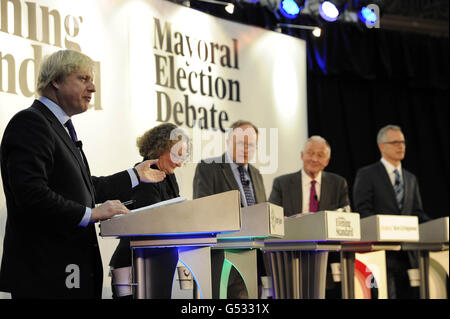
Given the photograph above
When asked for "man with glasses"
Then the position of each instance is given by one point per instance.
(385, 187)
(232, 171)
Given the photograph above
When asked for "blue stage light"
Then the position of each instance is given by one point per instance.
(367, 15)
(328, 11)
(289, 8)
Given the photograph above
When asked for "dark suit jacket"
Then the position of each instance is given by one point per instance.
(214, 175)
(48, 186)
(373, 193)
(287, 192)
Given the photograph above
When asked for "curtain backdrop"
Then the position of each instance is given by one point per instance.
(360, 80)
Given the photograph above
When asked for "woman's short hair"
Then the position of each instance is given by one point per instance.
(59, 65)
(153, 143)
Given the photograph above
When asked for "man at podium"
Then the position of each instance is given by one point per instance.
(312, 189)
(232, 171)
(50, 245)
(385, 187)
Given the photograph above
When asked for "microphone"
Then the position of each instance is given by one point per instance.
(316, 198)
(79, 144)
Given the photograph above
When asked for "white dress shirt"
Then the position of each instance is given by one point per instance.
(390, 170)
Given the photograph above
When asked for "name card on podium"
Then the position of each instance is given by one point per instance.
(322, 226)
(434, 231)
(259, 221)
(390, 228)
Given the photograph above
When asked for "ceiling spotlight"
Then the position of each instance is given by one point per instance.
(229, 8)
(368, 15)
(317, 32)
(290, 8)
(329, 11)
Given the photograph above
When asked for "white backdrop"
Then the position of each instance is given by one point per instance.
(149, 49)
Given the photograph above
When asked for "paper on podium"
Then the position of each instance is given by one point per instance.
(159, 204)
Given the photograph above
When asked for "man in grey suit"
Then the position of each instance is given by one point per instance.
(295, 193)
(312, 189)
(386, 188)
(221, 174)
(232, 171)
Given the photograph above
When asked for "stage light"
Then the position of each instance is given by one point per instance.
(290, 8)
(229, 8)
(317, 32)
(328, 11)
(367, 15)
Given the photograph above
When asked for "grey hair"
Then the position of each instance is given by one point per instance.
(319, 139)
(59, 65)
(381, 136)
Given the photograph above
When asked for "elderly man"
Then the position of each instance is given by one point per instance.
(311, 189)
(386, 188)
(232, 171)
(50, 245)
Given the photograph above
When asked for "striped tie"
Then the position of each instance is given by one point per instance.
(399, 190)
(246, 186)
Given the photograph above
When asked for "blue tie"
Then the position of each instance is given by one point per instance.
(246, 186)
(399, 189)
(72, 132)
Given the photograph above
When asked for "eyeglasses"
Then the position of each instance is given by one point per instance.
(395, 143)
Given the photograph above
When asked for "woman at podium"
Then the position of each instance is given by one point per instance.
(170, 145)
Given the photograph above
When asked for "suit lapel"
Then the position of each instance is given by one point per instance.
(228, 174)
(296, 192)
(61, 132)
(324, 192)
(257, 187)
(386, 182)
(407, 189)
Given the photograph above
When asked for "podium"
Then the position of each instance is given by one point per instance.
(433, 238)
(299, 260)
(239, 249)
(185, 232)
(378, 233)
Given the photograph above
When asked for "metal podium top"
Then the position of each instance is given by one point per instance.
(317, 231)
(321, 226)
(258, 222)
(433, 236)
(390, 228)
(434, 231)
(208, 215)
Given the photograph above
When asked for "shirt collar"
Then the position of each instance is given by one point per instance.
(389, 167)
(306, 179)
(234, 166)
(60, 114)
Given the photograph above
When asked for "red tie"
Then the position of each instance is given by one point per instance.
(313, 200)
